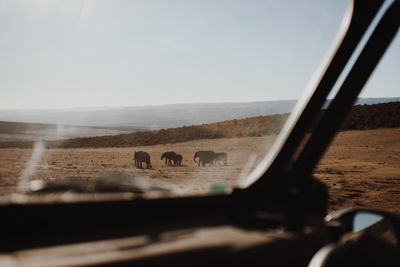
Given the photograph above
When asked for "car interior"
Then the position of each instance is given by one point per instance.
(277, 217)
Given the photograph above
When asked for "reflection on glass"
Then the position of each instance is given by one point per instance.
(364, 220)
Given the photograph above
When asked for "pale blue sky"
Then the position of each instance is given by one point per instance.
(62, 54)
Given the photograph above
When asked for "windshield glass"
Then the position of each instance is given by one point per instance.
(172, 96)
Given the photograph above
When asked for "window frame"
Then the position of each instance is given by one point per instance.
(284, 193)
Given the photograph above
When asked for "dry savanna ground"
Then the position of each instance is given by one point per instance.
(361, 168)
(58, 163)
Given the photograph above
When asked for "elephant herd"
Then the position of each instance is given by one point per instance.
(174, 159)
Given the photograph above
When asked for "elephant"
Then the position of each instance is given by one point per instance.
(204, 157)
(178, 160)
(221, 157)
(140, 157)
(169, 156)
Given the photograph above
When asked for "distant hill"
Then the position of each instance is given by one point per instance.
(8, 127)
(162, 116)
(361, 117)
(364, 117)
(254, 126)
(17, 131)
(372, 101)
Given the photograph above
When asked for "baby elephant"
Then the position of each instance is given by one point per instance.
(178, 160)
(221, 158)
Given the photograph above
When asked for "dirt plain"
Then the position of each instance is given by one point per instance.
(361, 168)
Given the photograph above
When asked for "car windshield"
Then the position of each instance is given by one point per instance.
(164, 96)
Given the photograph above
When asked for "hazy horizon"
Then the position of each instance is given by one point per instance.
(156, 105)
(171, 104)
(159, 116)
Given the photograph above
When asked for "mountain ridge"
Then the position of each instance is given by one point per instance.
(361, 117)
(162, 116)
